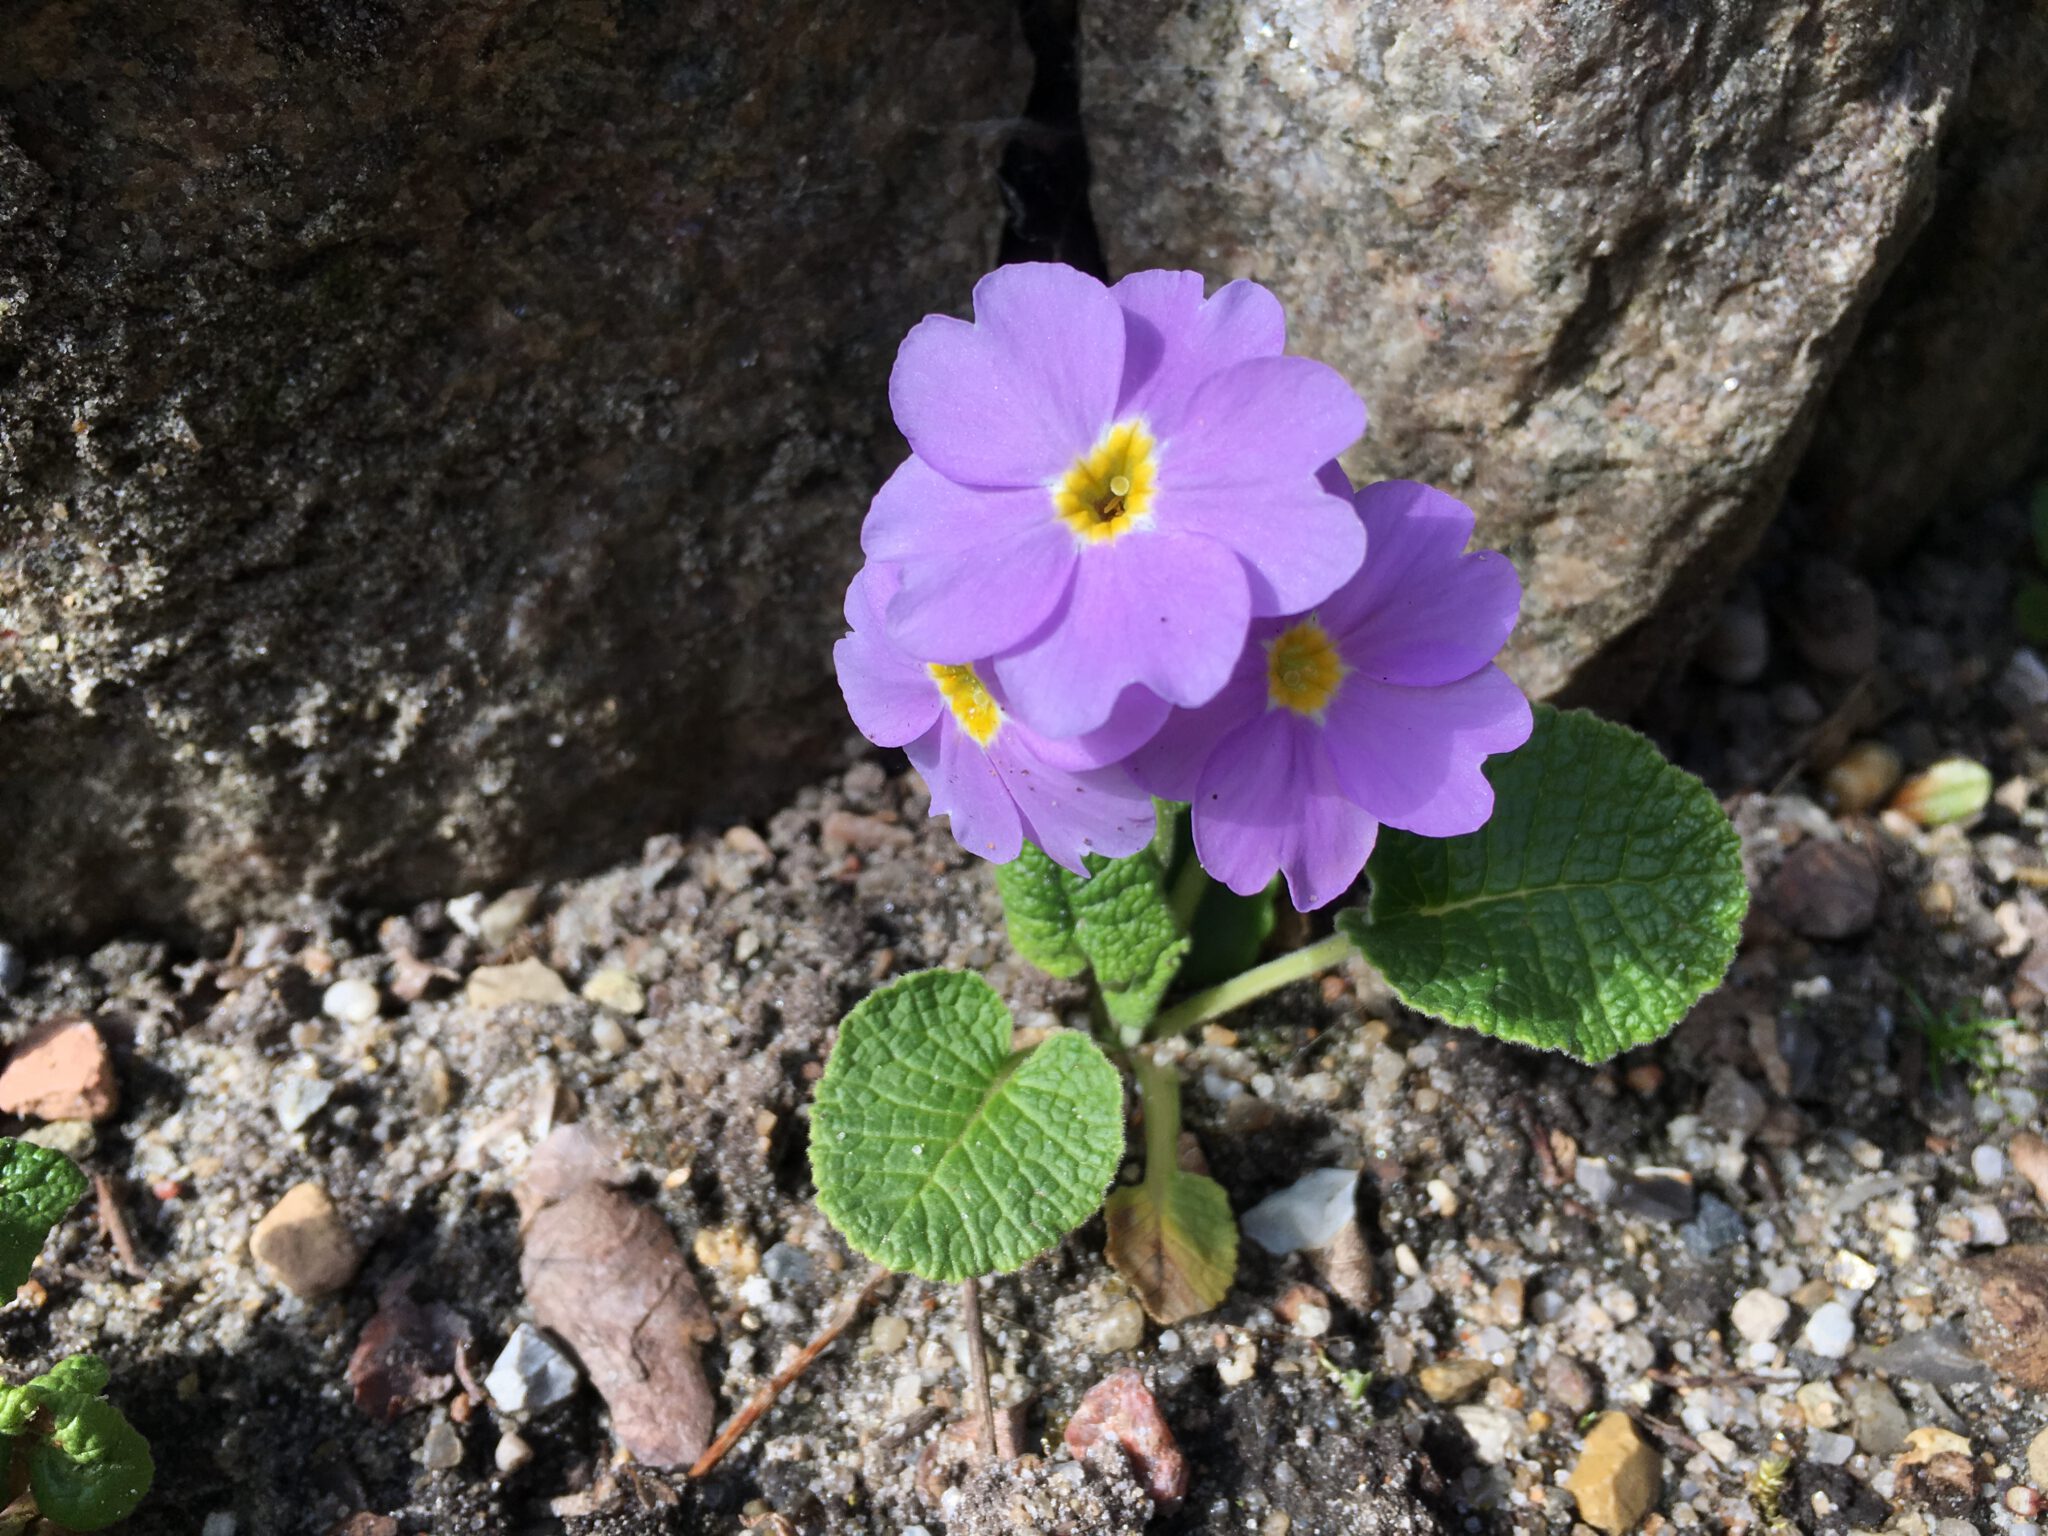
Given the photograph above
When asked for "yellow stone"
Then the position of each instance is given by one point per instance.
(1454, 1380)
(495, 986)
(1618, 1476)
(614, 989)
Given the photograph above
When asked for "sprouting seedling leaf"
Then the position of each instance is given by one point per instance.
(1601, 900)
(37, 1186)
(1172, 1236)
(1119, 922)
(940, 1150)
(88, 1467)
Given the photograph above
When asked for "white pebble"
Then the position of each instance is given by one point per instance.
(1829, 1448)
(1595, 1179)
(1988, 1163)
(1306, 1214)
(530, 1373)
(513, 1452)
(350, 1001)
(1987, 1227)
(1758, 1315)
(608, 1035)
(1831, 1331)
(1237, 1368)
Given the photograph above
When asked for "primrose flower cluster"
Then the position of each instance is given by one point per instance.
(1121, 561)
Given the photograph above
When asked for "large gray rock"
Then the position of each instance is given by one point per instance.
(433, 436)
(1592, 265)
(1944, 402)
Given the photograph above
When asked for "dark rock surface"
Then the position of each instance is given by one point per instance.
(1593, 266)
(432, 437)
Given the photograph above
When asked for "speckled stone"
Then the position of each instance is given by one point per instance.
(1592, 266)
(435, 435)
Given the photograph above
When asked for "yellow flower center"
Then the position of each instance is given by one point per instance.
(1109, 489)
(979, 715)
(1303, 669)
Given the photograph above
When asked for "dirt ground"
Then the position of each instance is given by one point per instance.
(1813, 1135)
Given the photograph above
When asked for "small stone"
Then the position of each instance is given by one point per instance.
(1827, 889)
(443, 1449)
(513, 1452)
(1659, 1194)
(1734, 1105)
(1304, 1309)
(1496, 1432)
(304, 1245)
(1879, 1424)
(528, 981)
(2030, 1161)
(1617, 1477)
(1595, 1179)
(76, 1139)
(2008, 1313)
(499, 923)
(1119, 1329)
(1716, 1227)
(1987, 1227)
(1935, 1355)
(890, 1332)
(1758, 1315)
(1306, 1214)
(61, 1071)
(1852, 1271)
(1570, 1385)
(1862, 777)
(1829, 1448)
(1830, 1332)
(614, 989)
(298, 1099)
(351, 1001)
(2022, 688)
(531, 1374)
(13, 969)
(1937, 1469)
(607, 1037)
(746, 946)
(1821, 1405)
(2037, 1460)
(219, 1523)
(1988, 1164)
(1239, 1366)
(1454, 1380)
(1121, 1409)
(786, 1264)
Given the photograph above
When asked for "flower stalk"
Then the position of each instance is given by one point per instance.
(1214, 1002)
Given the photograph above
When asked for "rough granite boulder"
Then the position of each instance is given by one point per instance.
(1592, 265)
(432, 437)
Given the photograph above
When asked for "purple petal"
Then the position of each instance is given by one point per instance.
(1170, 764)
(919, 512)
(1157, 609)
(1268, 803)
(1421, 611)
(1411, 756)
(1174, 338)
(1070, 814)
(1298, 542)
(1260, 421)
(1133, 721)
(966, 606)
(893, 701)
(1014, 398)
(967, 788)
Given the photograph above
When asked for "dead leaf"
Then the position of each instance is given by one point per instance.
(604, 1274)
(408, 1355)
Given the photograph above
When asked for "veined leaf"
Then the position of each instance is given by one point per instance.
(939, 1150)
(1601, 900)
(88, 1467)
(1037, 913)
(37, 1186)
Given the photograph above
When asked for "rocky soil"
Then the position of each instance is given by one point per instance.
(1797, 1247)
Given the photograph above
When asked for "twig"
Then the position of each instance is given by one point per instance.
(996, 1439)
(114, 1223)
(765, 1394)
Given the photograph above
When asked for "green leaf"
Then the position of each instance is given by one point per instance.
(938, 1150)
(1173, 1236)
(1228, 932)
(37, 1186)
(1119, 922)
(1037, 913)
(94, 1467)
(1601, 900)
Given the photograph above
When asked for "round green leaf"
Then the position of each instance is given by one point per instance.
(37, 1186)
(93, 1469)
(938, 1150)
(1601, 900)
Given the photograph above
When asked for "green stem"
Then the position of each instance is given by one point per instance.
(1159, 1093)
(1189, 887)
(1215, 1001)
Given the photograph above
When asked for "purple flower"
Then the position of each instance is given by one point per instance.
(1107, 485)
(997, 779)
(1377, 707)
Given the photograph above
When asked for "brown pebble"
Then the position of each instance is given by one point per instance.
(1827, 889)
(62, 1071)
(304, 1244)
(2007, 1313)
(1862, 777)
(2029, 1155)
(1570, 1385)
(1454, 1380)
(1617, 1477)
(1121, 1408)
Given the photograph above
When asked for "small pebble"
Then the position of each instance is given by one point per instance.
(612, 988)
(1829, 1448)
(1306, 1214)
(13, 969)
(1238, 1367)
(1595, 1179)
(443, 1450)
(1758, 1315)
(304, 1245)
(1988, 1164)
(890, 1333)
(219, 1523)
(351, 1001)
(786, 1264)
(1987, 1227)
(531, 1374)
(298, 1099)
(1830, 1332)
(608, 1035)
(513, 1452)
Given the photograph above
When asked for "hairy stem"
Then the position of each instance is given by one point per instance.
(1215, 1001)
(995, 1440)
(1159, 1093)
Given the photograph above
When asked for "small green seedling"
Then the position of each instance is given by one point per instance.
(85, 1464)
(1603, 897)
(1955, 1038)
